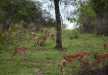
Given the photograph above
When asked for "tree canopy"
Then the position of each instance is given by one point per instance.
(93, 16)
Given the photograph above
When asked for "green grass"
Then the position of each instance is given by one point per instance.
(46, 59)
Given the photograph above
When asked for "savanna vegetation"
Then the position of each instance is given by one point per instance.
(33, 44)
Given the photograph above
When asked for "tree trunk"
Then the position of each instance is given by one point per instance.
(58, 26)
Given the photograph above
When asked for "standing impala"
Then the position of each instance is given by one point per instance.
(20, 51)
(101, 57)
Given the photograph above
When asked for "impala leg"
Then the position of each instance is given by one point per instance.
(61, 66)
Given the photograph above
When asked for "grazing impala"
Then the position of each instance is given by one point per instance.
(41, 41)
(72, 58)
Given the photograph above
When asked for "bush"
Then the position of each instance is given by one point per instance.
(74, 34)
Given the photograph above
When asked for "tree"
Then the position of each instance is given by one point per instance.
(58, 26)
(58, 21)
(15, 11)
(87, 18)
(101, 9)
(93, 16)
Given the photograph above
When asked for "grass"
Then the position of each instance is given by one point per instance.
(45, 59)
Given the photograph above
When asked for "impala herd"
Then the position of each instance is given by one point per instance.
(39, 41)
(81, 56)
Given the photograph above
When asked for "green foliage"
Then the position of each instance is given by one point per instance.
(74, 34)
(15, 11)
(87, 10)
(91, 16)
(87, 18)
(100, 6)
